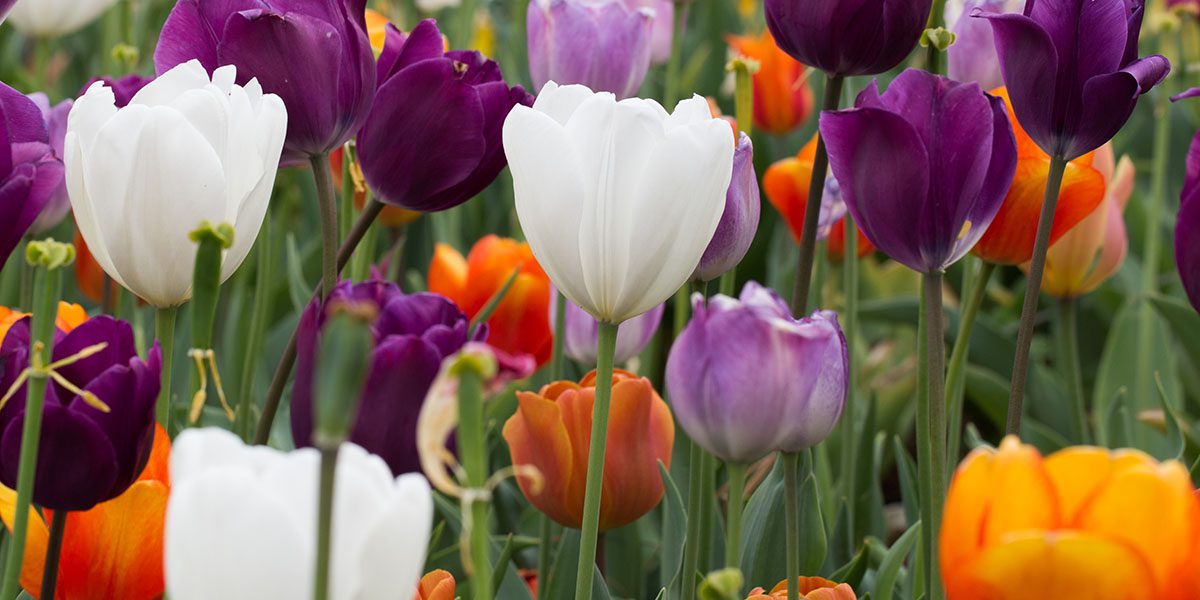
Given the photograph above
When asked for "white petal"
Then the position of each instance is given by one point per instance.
(691, 110)
(53, 18)
(268, 129)
(393, 556)
(170, 85)
(560, 102)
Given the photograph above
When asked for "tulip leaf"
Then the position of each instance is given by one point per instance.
(298, 290)
(852, 572)
(561, 583)
(512, 585)
(1175, 442)
(763, 534)
(907, 470)
(624, 559)
(889, 569)
(674, 532)
(1183, 320)
(502, 564)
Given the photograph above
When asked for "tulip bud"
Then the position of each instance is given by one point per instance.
(602, 45)
(739, 222)
(342, 363)
(810, 588)
(581, 332)
(30, 174)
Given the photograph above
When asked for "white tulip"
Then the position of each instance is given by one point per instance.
(617, 199)
(51, 18)
(187, 149)
(242, 523)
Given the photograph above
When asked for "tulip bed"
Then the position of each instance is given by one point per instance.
(599, 299)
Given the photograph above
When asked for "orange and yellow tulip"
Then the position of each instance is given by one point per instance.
(551, 431)
(69, 317)
(436, 585)
(521, 322)
(1084, 523)
(786, 185)
(114, 550)
(811, 588)
(782, 98)
(1009, 239)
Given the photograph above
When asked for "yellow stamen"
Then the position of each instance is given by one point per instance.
(88, 398)
(216, 375)
(201, 395)
(49, 371)
(965, 229)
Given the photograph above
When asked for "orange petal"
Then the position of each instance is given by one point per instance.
(376, 29)
(786, 186)
(835, 244)
(70, 316)
(158, 466)
(640, 433)
(536, 436)
(1088, 254)
(8, 318)
(811, 588)
(436, 585)
(36, 538)
(448, 273)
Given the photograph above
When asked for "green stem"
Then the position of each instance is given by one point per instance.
(1033, 288)
(691, 544)
(849, 445)
(956, 374)
(708, 499)
(164, 331)
(325, 522)
(58, 526)
(812, 210)
(675, 63)
(791, 502)
(733, 519)
(606, 346)
(1068, 355)
(47, 288)
(327, 203)
(258, 323)
(472, 447)
(931, 424)
(545, 560)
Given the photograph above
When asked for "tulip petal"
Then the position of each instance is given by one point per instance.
(536, 436)
(1109, 99)
(641, 433)
(74, 454)
(37, 537)
(186, 35)
(1021, 42)
(393, 552)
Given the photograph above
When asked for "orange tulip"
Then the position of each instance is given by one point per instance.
(551, 431)
(1009, 239)
(69, 317)
(114, 550)
(521, 322)
(786, 185)
(436, 585)
(1093, 250)
(812, 588)
(1084, 523)
(782, 98)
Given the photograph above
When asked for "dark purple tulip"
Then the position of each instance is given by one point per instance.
(1072, 69)
(86, 456)
(56, 128)
(605, 46)
(432, 140)
(29, 172)
(746, 379)
(5, 6)
(1187, 223)
(124, 88)
(739, 222)
(923, 167)
(314, 54)
(848, 37)
(413, 334)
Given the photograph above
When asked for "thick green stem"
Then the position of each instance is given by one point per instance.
(58, 526)
(812, 210)
(733, 518)
(258, 323)
(606, 346)
(164, 330)
(1068, 355)
(956, 374)
(849, 423)
(1033, 288)
(931, 424)
(472, 448)
(325, 522)
(791, 511)
(327, 203)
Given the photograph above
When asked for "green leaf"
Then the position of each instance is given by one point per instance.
(889, 569)
(764, 536)
(674, 533)
(906, 468)
(623, 560)
(562, 572)
(298, 290)
(852, 572)
(1175, 442)
(502, 564)
(512, 585)
(1183, 321)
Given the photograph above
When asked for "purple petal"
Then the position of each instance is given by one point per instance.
(76, 467)
(1029, 62)
(1187, 227)
(1110, 100)
(605, 46)
(187, 34)
(739, 221)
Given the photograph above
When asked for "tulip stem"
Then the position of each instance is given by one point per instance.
(791, 511)
(545, 560)
(1068, 354)
(472, 447)
(1033, 288)
(675, 62)
(849, 424)
(325, 521)
(164, 331)
(812, 210)
(733, 518)
(691, 544)
(931, 424)
(47, 288)
(58, 526)
(327, 201)
(956, 374)
(284, 370)
(605, 347)
(258, 323)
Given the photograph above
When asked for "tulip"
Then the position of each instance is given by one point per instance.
(314, 55)
(581, 332)
(5, 7)
(1187, 234)
(923, 167)
(972, 57)
(142, 177)
(663, 29)
(848, 37)
(123, 88)
(97, 431)
(551, 431)
(249, 514)
(1084, 522)
(739, 221)
(811, 588)
(782, 98)
(68, 318)
(113, 550)
(518, 325)
(618, 200)
(390, 216)
(432, 141)
(1093, 250)
(746, 379)
(786, 184)
(52, 18)
(30, 173)
(1072, 92)
(413, 334)
(55, 119)
(602, 44)
(436, 585)
(1009, 239)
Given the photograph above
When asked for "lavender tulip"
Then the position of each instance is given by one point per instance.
(314, 54)
(30, 173)
(664, 27)
(739, 222)
(581, 331)
(923, 167)
(433, 139)
(413, 334)
(602, 44)
(87, 455)
(56, 128)
(746, 379)
(848, 37)
(1072, 70)
(972, 57)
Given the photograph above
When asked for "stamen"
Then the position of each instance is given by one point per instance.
(88, 398)
(201, 395)
(216, 375)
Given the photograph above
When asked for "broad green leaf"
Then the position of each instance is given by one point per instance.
(674, 533)
(889, 569)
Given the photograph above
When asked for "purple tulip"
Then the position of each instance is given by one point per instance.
(432, 141)
(314, 54)
(56, 128)
(124, 88)
(746, 379)
(924, 167)
(413, 334)
(30, 173)
(1187, 223)
(848, 37)
(5, 6)
(86, 456)
(602, 44)
(581, 332)
(739, 222)
(664, 27)
(972, 57)
(1072, 70)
